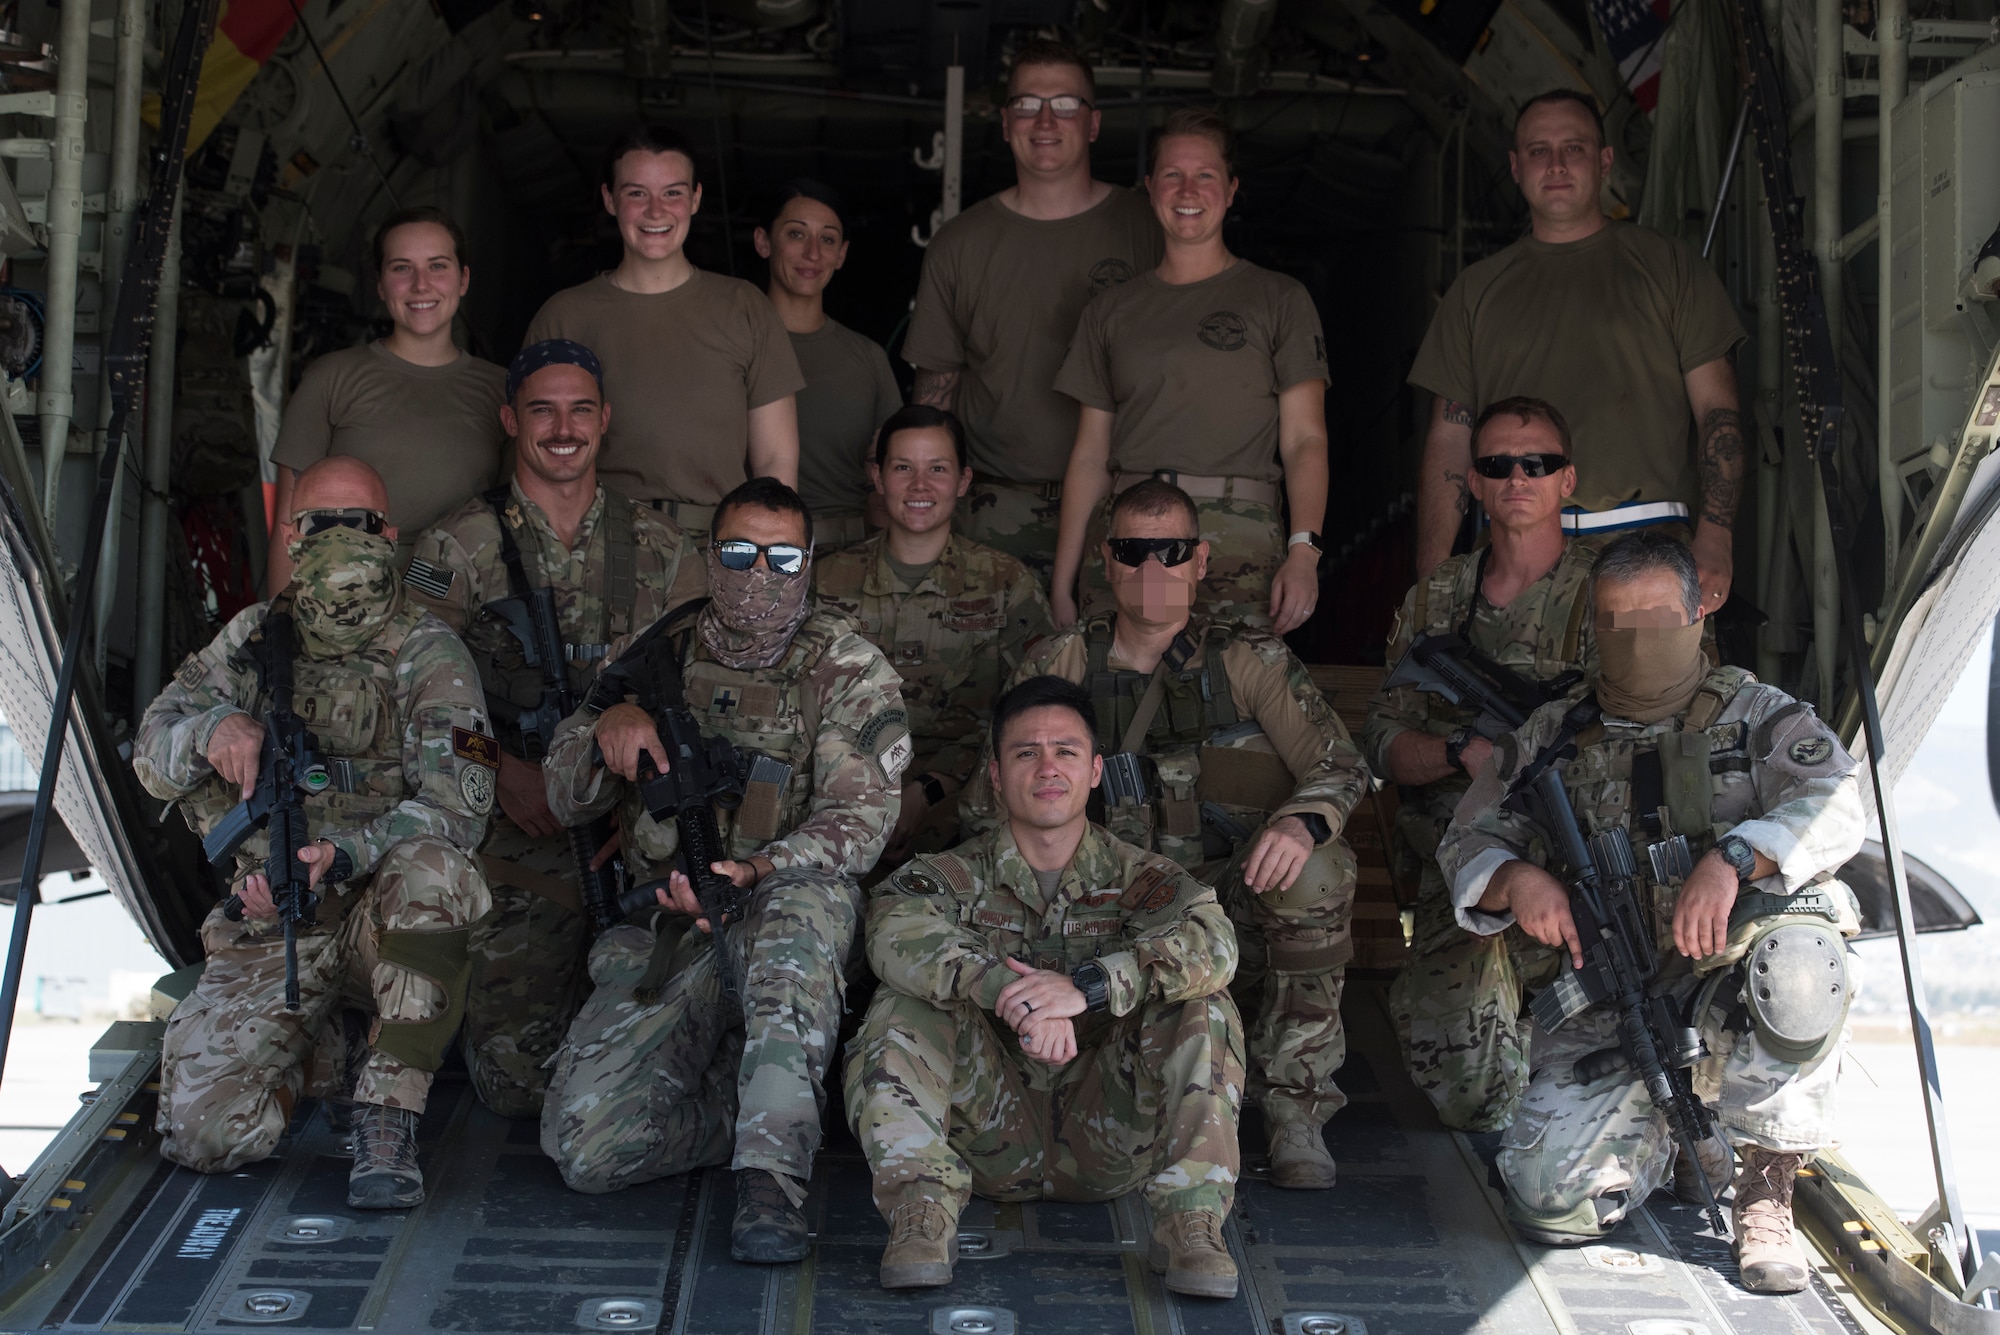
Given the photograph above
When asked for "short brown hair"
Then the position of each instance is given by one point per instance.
(1528, 410)
(1048, 51)
(422, 213)
(645, 137)
(1150, 499)
(1201, 122)
(1555, 95)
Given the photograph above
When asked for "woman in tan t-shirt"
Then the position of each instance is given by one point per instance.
(1209, 372)
(420, 410)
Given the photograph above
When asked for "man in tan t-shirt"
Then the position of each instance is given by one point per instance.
(698, 363)
(1628, 332)
(1003, 284)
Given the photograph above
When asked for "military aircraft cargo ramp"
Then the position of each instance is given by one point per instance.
(1410, 1243)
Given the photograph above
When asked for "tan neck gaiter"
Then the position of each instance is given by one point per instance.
(1649, 673)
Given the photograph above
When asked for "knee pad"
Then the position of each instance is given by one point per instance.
(1795, 988)
(1327, 879)
(445, 959)
(1584, 1223)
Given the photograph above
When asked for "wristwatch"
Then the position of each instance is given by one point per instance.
(1308, 537)
(1454, 748)
(1089, 978)
(1736, 851)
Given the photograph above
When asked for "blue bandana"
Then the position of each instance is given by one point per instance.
(552, 352)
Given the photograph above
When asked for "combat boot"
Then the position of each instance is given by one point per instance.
(1717, 1165)
(1768, 1256)
(1188, 1249)
(1299, 1157)
(923, 1246)
(341, 1109)
(385, 1175)
(768, 1228)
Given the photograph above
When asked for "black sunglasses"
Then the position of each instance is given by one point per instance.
(309, 522)
(1498, 466)
(1167, 551)
(782, 557)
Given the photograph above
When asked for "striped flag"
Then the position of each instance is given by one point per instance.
(1633, 30)
(246, 36)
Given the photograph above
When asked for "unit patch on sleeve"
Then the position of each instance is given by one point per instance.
(1810, 751)
(433, 581)
(1152, 891)
(191, 672)
(476, 747)
(887, 738)
(476, 783)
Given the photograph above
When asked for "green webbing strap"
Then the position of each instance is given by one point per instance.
(621, 574)
(1763, 904)
(445, 958)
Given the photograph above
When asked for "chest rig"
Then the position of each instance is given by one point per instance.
(1152, 794)
(772, 716)
(1448, 601)
(510, 675)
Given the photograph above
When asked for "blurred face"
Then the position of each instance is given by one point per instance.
(920, 479)
(1559, 162)
(1150, 593)
(1517, 500)
(653, 200)
(1045, 144)
(421, 279)
(753, 523)
(805, 246)
(557, 420)
(1045, 767)
(1651, 600)
(1191, 187)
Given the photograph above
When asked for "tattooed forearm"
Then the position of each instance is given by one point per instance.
(1458, 414)
(939, 389)
(1461, 494)
(1719, 460)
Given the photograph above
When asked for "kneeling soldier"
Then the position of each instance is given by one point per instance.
(1053, 1022)
(1230, 762)
(652, 1074)
(1739, 805)
(394, 812)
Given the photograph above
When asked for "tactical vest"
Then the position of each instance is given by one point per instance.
(1195, 738)
(1453, 590)
(772, 715)
(504, 673)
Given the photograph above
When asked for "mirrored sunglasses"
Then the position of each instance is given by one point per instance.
(782, 557)
(1065, 106)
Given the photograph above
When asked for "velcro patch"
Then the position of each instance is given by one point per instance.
(916, 883)
(1152, 891)
(995, 918)
(955, 872)
(476, 783)
(476, 747)
(1092, 927)
(432, 581)
(191, 672)
(872, 731)
(1811, 751)
(1097, 899)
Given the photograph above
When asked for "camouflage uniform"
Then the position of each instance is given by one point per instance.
(1246, 545)
(646, 1089)
(954, 639)
(1257, 741)
(940, 1093)
(1457, 1001)
(528, 953)
(404, 730)
(1018, 518)
(1580, 1156)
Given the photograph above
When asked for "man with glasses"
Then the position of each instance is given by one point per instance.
(661, 1072)
(1225, 757)
(1003, 284)
(611, 566)
(393, 699)
(1523, 601)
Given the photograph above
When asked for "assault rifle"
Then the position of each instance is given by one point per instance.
(531, 619)
(703, 773)
(1444, 664)
(289, 770)
(1619, 959)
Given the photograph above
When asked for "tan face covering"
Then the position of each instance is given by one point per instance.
(1649, 673)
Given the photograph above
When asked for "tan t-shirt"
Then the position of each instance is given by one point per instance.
(1605, 329)
(998, 302)
(849, 391)
(1193, 371)
(682, 370)
(432, 432)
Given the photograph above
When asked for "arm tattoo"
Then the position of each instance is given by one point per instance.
(1720, 463)
(939, 389)
(1457, 414)
(1463, 498)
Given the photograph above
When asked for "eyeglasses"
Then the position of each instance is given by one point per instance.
(1027, 106)
(309, 522)
(1499, 466)
(1167, 551)
(782, 557)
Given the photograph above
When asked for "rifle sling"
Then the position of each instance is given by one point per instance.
(1149, 706)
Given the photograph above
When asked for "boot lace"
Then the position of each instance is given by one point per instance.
(1764, 1197)
(1200, 1230)
(920, 1219)
(384, 1140)
(1300, 1136)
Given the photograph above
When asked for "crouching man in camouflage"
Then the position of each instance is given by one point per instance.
(660, 1072)
(1739, 805)
(394, 700)
(1054, 1020)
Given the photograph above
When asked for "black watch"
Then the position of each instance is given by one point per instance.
(1454, 748)
(1089, 978)
(932, 786)
(1736, 851)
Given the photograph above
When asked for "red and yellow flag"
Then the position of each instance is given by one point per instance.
(245, 37)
